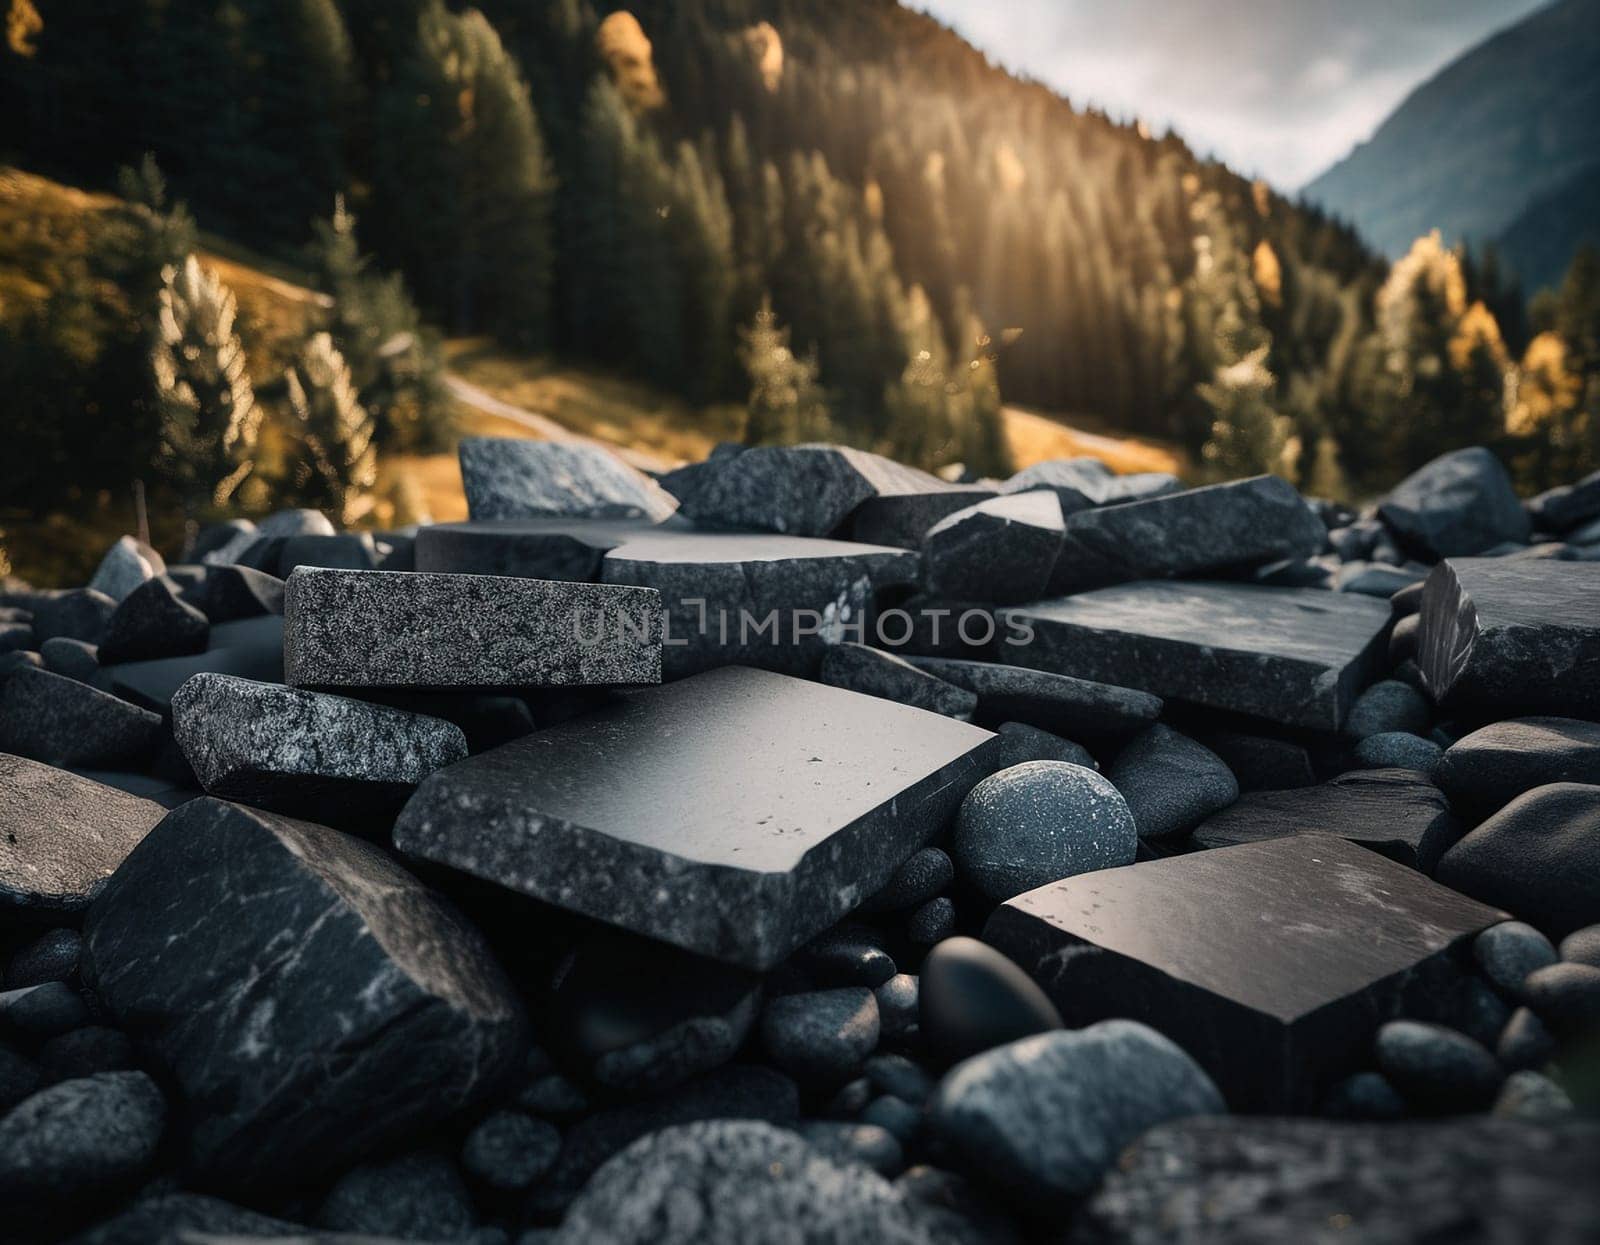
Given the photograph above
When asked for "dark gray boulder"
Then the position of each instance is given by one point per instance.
(1398, 750)
(72, 659)
(310, 1000)
(1001, 550)
(307, 753)
(823, 1036)
(1486, 770)
(1436, 1068)
(873, 672)
(1508, 952)
(60, 721)
(1510, 637)
(1538, 857)
(1267, 1181)
(413, 1197)
(126, 565)
(1170, 782)
(1567, 505)
(509, 1150)
(152, 621)
(75, 614)
(1388, 705)
(1043, 1119)
(1020, 742)
(1080, 483)
(62, 836)
(230, 593)
(519, 478)
(1459, 504)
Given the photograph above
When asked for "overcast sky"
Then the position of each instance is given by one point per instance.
(1277, 88)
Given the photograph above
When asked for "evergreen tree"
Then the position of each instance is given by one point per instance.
(338, 459)
(208, 411)
(786, 406)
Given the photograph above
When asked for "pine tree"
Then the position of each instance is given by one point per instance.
(786, 406)
(338, 462)
(209, 417)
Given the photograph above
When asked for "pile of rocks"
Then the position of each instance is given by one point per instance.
(801, 847)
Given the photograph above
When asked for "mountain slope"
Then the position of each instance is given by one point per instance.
(1539, 244)
(1504, 125)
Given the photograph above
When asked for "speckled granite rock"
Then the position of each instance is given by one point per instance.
(1076, 707)
(60, 721)
(126, 565)
(75, 613)
(1295, 656)
(310, 1000)
(731, 1182)
(801, 490)
(1270, 963)
(1237, 525)
(1080, 483)
(1513, 636)
(306, 753)
(517, 478)
(1262, 1182)
(1394, 811)
(404, 629)
(153, 622)
(1459, 504)
(734, 814)
(872, 672)
(62, 836)
(1001, 550)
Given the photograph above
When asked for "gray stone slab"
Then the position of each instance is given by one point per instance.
(734, 814)
(1003, 549)
(1397, 812)
(1232, 526)
(1270, 963)
(1077, 708)
(307, 753)
(516, 478)
(60, 721)
(1513, 636)
(531, 548)
(406, 629)
(1296, 656)
(903, 519)
(62, 836)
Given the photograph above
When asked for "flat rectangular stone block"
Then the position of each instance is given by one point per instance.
(1271, 963)
(1296, 656)
(735, 814)
(377, 629)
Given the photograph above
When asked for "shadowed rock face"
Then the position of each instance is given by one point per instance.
(62, 836)
(51, 718)
(1510, 635)
(734, 814)
(374, 629)
(310, 999)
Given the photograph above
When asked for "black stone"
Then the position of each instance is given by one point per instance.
(348, 551)
(1020, 742)
(509, 1150)
(62, 836)
(413, 1197)
(1398, 750)
(1508, 952)
(1436, 1068)
(154, 684)
(87, 1051)
(309, 999)
(1565, 996)
(1386, 706)
(1538, 857)
(151, 622)
(871, 671)
(60, 721)
(1232, 526)
(234, 592)
(1080, 483)
(1486, 770)
(174, 1216)
(1394, 811)
(924, 875)
(1460, 504)
(694, 813)
(1513, 637)
(528, 548)
(519, 478)
(1259, 762)
(933, 922)
(903, 519)
(1525, 1042)
(1054, 702)
(1002, 550)
(52, 956)
(1269, 962)
(1171, 783)
(1582, 947)
(971, 999)
(75, 614)
(849, 954)
(821, 1037)
(36, 1013)
(1567, 505)
(1265, 1182)
(1296, 656)
(72, 659)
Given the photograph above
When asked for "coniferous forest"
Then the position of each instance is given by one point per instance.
(840, 215)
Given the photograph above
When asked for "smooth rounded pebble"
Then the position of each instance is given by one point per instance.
(1564, 995)
(973, 998)
(1398, 750)
(1436, 1068)
(897, 1004)
(80, 1138)
(1171, 783)
(925, 874)
(1525, 1042)
(870, 1145)
(417, 1197)
(1044, 1118)
(1582, 946)
(1387, 706)
(1508, 952)
(1528, 1095)
(1364, 1096)
(1038, 823)
(53, 956)
(510, 1150)
(822, 1036)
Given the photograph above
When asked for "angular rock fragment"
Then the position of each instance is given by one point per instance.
(527, 548)
(306, 753)
(1054, 702)
(517, 478)
(126, 565)
(1262, 1182)
(1270, 963)
(800, 490)
(311, 1001)
(1486, 770)
(350, 551)
(375, 629)
(1567, 505)
(1460, 504)
(62, 836)
(153, 622)
(1080, 483)
(903, 519)
(1230, 526)
(1396, 812)
(1296, 656)
(75, 614)
(873, 672)
(734, 814)
(1513, 636)
(60, 721)
(1538, 857)
(72, 659)
(999, 550)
